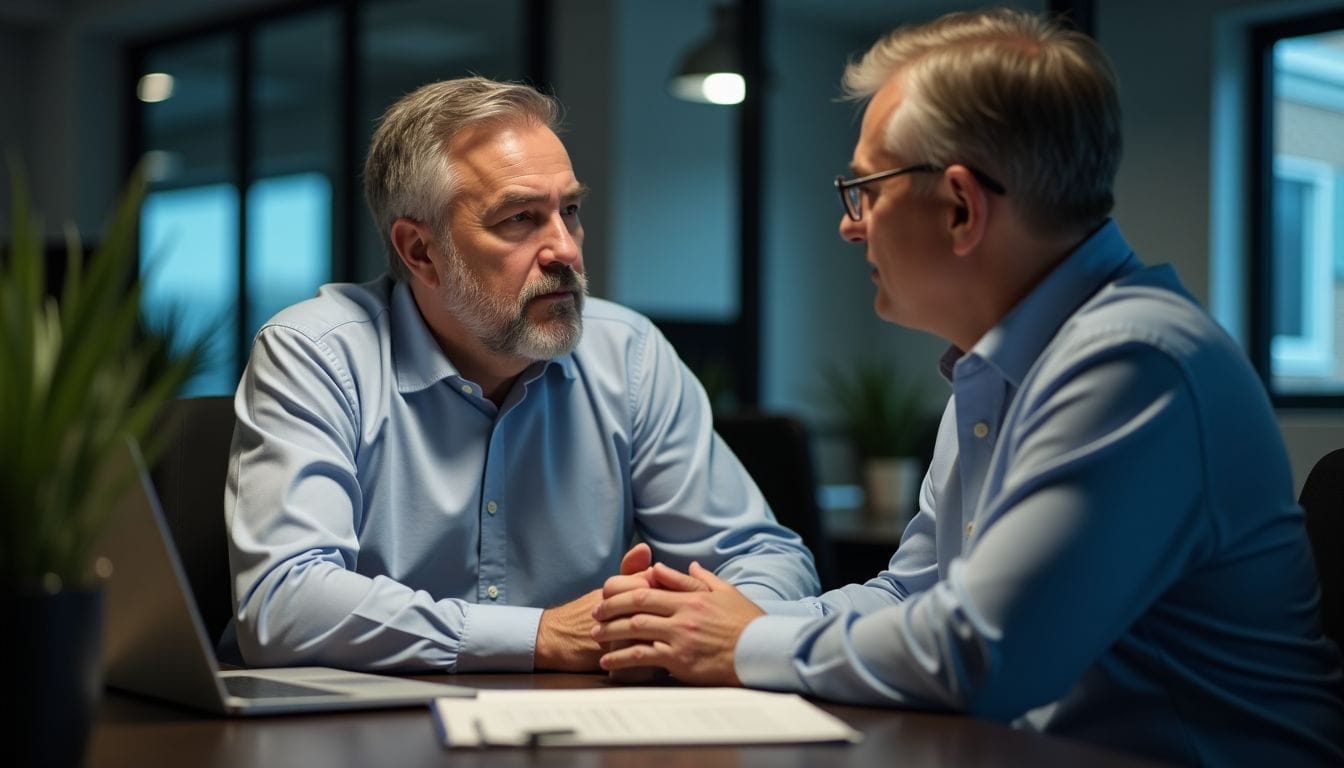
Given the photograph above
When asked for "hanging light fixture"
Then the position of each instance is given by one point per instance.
(711, 73)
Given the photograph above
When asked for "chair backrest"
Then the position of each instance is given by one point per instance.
(189, 478)
(1323, 499)
(777, 453)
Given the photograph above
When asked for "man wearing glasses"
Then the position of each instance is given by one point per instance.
(1107, 545)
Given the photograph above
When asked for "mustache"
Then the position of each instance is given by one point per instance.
(566, 278)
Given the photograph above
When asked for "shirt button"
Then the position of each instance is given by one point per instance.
(969, 527)
(491, 507)
(492, 592)
(980, 429)
(466, 389)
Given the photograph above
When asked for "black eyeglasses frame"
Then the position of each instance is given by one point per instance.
(849, 188)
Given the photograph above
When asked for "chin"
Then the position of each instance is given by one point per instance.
(884, 310)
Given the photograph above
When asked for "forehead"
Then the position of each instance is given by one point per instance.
(491, 158)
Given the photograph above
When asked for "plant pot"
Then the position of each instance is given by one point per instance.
(53, 673)
(890, 484)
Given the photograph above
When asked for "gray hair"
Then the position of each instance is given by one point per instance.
(1011, 94)
(409, 171)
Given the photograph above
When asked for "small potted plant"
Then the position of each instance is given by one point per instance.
(883, 414)
(79, 376)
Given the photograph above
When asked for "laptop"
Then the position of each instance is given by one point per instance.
(154, 641)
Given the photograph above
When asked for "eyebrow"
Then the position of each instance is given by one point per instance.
(511, 199)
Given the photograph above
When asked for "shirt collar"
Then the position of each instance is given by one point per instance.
(420, 362)
(1013, 345)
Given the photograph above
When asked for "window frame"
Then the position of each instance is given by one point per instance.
(241, 31)
(1262, 94)
(1311, 353)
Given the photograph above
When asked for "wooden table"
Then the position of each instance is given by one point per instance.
(140, 732)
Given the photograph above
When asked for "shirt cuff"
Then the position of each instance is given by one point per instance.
(810, 607)
(764, 654)
(498, 638)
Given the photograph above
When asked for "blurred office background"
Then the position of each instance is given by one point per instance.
(717, 221)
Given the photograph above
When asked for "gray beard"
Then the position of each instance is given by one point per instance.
(503, 326)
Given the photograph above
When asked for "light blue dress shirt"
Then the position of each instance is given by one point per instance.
(1107, 543)
(383, 514)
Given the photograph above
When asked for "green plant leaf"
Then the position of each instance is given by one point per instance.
(82, 375)
(882, 412)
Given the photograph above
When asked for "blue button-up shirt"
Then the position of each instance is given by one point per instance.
(384, 514)
(1107, 543)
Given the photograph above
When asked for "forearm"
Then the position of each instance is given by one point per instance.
(1069, 555)
(320, 613)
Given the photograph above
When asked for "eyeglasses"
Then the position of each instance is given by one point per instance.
(849, 188)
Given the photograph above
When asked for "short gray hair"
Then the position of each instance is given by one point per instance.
(1012, 94)
(409, 172)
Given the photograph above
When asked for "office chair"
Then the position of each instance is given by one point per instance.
(777, 454)
(1323, 499)
(189, 478)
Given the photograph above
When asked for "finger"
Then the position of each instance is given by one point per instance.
(707, 577)
(640, 627)
(670, 578)
(655, 654)
(637, 559)
(618, 584)
(655, 601)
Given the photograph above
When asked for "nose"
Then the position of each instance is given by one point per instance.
(851, 230)
(561, 243)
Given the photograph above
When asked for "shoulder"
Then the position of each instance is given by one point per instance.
(623, 346)
(609, 318)
(347, 310)
(611, 329)
(1150, 310)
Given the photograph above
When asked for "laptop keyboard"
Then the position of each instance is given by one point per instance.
(262, 688)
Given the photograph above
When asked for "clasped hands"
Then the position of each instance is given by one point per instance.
(650, 616)
(685, 623)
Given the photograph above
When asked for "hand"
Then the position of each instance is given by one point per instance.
(692, 634)
(637, 573)
(564, 636)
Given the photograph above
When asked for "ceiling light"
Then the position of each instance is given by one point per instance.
(711, 73)
(154, 87)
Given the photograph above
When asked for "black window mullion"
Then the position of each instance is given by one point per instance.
(345, 189)
(537, 44)
(750, 187)
(242, 171)
(1260, 198)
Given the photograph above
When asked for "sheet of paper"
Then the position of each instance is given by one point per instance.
(634, 716)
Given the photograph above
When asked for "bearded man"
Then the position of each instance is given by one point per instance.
(437, 470)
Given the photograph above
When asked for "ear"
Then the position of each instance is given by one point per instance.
(413, 239)
(969, 217)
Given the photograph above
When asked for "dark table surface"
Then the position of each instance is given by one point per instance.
(133, 731)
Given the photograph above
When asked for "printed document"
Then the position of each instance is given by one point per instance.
(634, 716)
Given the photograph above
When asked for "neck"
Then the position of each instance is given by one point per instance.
(1001, 275)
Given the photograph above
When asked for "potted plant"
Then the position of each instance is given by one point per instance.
(883, 415)
(79, 375)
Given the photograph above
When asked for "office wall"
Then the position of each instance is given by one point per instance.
(15, 128)
(673, 193)
(817, 297)
(1169, 57)
(60, 79)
